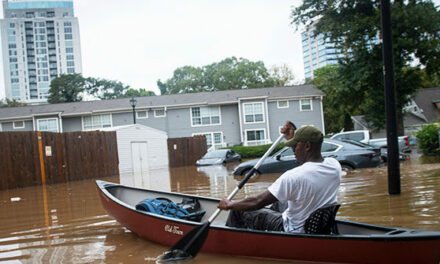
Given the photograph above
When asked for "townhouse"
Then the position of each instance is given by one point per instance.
(226, 118)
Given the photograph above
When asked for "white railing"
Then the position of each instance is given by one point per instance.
(257, 142)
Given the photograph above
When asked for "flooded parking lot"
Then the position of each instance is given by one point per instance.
(65, 223)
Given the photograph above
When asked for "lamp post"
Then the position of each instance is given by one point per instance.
(133, 105)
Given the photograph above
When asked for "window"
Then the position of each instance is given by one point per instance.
(213, 139)
(159, 113)
(96, 122)
(255, 137)
(283, 104)
(328, 147)
(18, 124)
(50, 125)
(39, 24)
(306, 105)
(356, 136)
(205, 115)
(141, 114)
(288, 152)
(253, 113)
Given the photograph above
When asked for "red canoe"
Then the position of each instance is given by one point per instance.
(356, 243)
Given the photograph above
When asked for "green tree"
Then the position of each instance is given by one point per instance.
(67, 88)
(105, 89)
(338, 103)
(228, 74)
(136, 93)
(282, 75)
(430, 80)
(427, 139)
(355, 26)
(73, 87)
(11, 103)
(187, 79)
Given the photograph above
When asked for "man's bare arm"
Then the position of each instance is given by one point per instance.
(250, 203)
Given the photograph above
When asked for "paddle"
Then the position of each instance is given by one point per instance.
(189, 245)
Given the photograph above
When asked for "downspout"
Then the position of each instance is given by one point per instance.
(60, 122)
(167, 126)
(33, 123)
(240, 120)
(322, 117)
(267, 121)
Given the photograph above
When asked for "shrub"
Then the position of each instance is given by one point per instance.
(254, 151)
(427, 139)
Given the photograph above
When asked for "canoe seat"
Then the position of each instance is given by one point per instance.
(322, 221)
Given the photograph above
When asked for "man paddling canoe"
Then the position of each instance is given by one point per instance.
(306, 188)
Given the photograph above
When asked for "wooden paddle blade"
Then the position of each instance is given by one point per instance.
(188, 246)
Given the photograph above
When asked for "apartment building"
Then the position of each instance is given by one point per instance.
(226, 118)
(40, 41)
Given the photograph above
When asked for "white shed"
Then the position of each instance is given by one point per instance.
(140, 148)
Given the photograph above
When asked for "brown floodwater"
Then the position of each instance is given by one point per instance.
(65, 223)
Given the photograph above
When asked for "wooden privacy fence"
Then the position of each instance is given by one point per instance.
(186, 151)
(32, 158)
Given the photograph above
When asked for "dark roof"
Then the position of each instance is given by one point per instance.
(173, 100)
(425, 99)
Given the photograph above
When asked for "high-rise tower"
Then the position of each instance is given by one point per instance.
(40, 41)
(317, 52)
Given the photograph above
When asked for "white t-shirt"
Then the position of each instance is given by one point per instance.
(306, 188)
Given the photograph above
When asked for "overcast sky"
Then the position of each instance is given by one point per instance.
(138, 42)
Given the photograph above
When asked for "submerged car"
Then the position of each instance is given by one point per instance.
(218, 157)
(349, 156)
(383, 151)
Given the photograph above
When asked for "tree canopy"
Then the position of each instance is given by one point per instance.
(136, 93)
(75, 87)
(337, 103)
(105, 89)
(282, 75)
(355, 27)
(11, 103)
(67, 88)
(228, 74)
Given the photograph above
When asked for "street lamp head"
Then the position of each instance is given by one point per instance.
(133, 102)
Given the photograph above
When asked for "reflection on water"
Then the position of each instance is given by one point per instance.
(65, 223)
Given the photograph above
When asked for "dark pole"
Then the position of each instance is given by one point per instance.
(133, 105)
(390, 100)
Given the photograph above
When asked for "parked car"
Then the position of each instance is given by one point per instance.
(382, 151)
(364, 136)
(350, 156)
(217, 157)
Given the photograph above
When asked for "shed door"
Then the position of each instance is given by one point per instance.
(140, 163)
